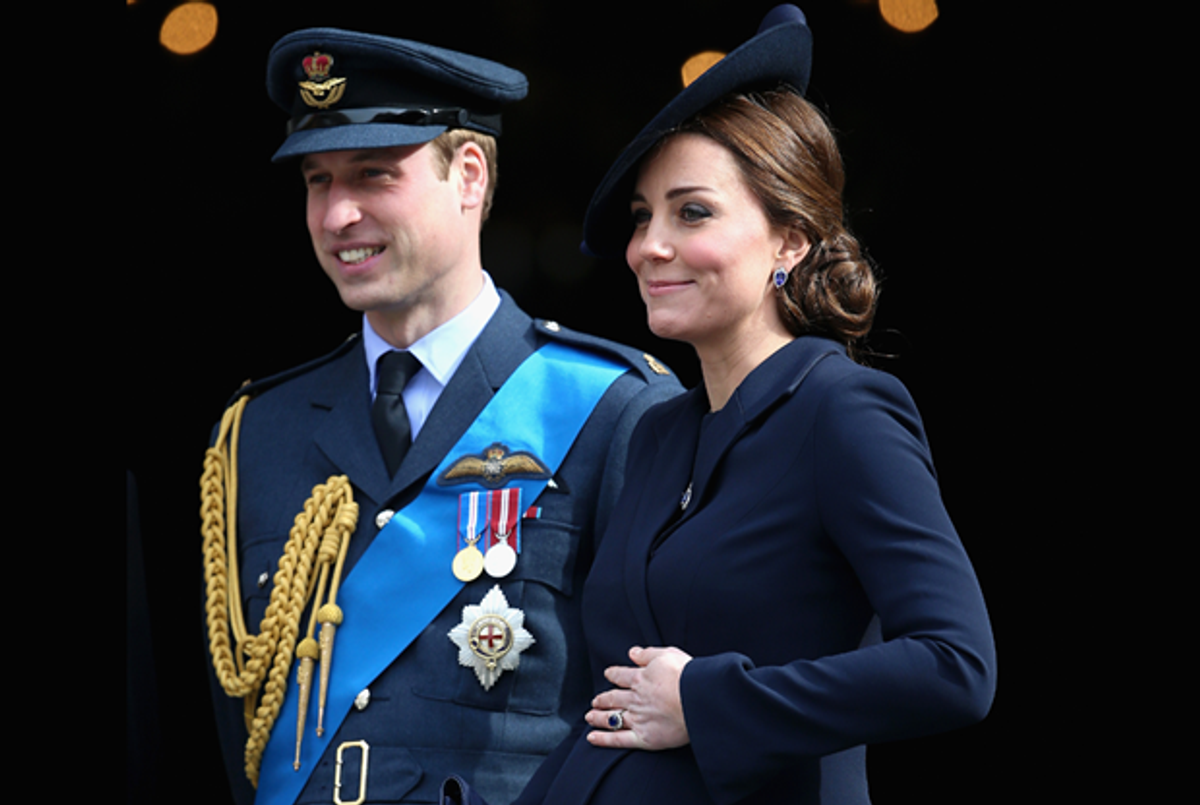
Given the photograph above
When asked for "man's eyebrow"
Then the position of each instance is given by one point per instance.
(367, 155)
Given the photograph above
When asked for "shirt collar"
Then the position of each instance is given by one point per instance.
(441, 350)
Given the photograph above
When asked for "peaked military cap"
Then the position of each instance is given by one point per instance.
(780, 53)
(348, 90)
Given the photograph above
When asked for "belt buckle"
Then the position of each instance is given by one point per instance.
(362, 774)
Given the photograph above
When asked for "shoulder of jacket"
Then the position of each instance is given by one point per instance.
(642, 363)
(255, 387)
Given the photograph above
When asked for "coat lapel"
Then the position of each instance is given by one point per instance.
(675, 436)
(501, 347)
(771, 382)
(345, 436)
(682, 457)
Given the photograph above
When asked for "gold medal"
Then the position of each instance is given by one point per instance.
(468, 563)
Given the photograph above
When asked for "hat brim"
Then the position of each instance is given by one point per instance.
(781, 54)
(354, 138)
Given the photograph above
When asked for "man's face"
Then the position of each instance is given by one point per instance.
(393, 235)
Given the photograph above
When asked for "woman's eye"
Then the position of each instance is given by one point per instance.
(694, 212)
(640, 217)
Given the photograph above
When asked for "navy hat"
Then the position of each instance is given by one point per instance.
(780, 53)
(346, 90)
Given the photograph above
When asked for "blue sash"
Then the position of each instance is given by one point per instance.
(403, 579)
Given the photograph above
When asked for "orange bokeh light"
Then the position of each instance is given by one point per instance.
(909, 16)
(189, 28)
(694, 67)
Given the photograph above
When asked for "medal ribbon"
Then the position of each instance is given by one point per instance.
(470, 501)
(403, 580)
(504, 516)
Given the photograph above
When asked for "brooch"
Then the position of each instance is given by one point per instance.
(491, 637)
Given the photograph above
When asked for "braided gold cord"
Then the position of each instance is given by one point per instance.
(320, 535)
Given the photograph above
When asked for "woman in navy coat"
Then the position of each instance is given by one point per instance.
(780, 583)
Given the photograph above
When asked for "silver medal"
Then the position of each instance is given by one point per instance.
(500, 559)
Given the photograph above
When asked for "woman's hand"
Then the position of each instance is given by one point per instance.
(643, 710)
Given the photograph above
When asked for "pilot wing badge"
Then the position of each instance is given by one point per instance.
(493, 468)
(491, 637)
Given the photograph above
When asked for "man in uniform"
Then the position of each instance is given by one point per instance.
(482, 449)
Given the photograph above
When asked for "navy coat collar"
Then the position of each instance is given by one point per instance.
(770, 383)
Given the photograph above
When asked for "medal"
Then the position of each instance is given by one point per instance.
(491, 637)
(501, 557)
(500, 560)
(468, 562)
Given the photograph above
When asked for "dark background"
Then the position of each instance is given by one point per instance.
(948, 135)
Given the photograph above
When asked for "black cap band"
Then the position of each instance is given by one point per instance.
(450, 117)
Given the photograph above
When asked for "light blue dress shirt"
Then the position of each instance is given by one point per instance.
(440, 352)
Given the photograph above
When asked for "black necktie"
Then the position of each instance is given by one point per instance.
(388, 414)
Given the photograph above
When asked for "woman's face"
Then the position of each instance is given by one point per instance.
(703, 249)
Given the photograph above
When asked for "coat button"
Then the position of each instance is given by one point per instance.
(384, 517)
(362, 699)
(263, 578)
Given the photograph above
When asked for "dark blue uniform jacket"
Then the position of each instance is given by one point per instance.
(428, 716)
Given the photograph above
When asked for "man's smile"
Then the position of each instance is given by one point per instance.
(353, 256)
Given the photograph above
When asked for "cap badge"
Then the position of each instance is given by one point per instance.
(320, 91)
(493, 467)
(491, 637)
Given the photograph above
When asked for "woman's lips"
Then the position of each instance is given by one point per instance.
(663, 287)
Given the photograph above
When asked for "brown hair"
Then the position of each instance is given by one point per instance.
(790, 160)
(446, 145)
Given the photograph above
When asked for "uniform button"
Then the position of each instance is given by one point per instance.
(263, 578)
(384, 517)
(552, 326)
(362, 699)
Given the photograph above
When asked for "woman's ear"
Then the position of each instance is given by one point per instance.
(794, 248)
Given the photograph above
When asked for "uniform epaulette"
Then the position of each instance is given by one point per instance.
(251, 387)
(643, 362)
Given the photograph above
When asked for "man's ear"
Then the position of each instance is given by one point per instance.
(472, 171)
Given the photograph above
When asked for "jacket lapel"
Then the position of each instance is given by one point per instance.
(675, 437)
(771, 382)
(504, 343)
(345, 436)
(682, 457)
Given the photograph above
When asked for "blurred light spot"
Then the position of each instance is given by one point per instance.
(189, 28)
(696, 65)
(909, 16)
